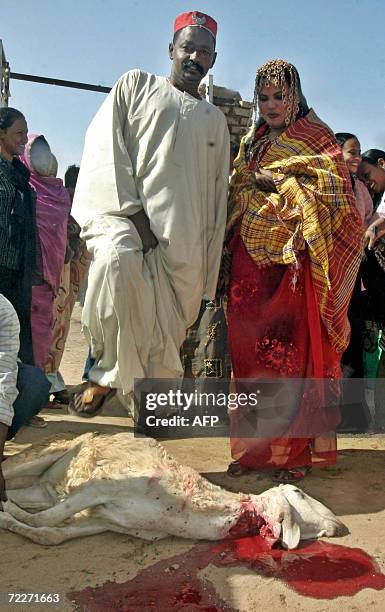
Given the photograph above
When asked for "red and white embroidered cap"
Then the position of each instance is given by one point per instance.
(195, 18)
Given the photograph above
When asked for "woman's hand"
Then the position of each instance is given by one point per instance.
(264, 181)
(374, 232)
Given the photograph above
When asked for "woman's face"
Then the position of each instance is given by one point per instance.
(13, 139)
(271, 106)
(373, 175)
(351, 151)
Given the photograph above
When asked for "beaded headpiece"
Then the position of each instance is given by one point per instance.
(284, 75)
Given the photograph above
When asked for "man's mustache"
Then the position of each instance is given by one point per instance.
(192, 64)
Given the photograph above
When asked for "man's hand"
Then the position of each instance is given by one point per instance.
(264, 181)
(374, 232)
(142, 224)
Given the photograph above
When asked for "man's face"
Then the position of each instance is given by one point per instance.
(192, 54)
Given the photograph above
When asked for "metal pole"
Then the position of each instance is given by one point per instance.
(18, 76)
(211, 88)
(4, 77)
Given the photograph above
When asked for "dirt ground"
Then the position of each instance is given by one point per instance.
(354, 489)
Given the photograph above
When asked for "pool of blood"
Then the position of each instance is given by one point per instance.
(316, 569)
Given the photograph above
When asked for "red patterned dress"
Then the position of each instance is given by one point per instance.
(277, 328)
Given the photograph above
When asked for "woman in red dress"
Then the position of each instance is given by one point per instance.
(296, 243)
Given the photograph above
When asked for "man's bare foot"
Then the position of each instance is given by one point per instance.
(89, 402)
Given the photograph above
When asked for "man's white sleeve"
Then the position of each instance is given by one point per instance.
(106, 183)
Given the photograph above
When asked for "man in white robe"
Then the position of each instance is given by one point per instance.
(151, 201)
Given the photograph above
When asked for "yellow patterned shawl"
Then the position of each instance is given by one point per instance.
(314, 210)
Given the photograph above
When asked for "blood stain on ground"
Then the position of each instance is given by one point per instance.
(317, 569)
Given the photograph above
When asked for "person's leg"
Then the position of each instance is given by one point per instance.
(33, 388)
(130, 316)
(118, 316)
(41, 322)
(11, 286)
(57, 381)
(58, 388)
(90, 361)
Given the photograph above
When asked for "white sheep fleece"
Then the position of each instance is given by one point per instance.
(63, 488)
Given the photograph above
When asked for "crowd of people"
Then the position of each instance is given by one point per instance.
(295, 241)
(43, 263)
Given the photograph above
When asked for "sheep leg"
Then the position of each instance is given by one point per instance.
(31, 469)
(49, 536)
(34, 498)
(86, 498)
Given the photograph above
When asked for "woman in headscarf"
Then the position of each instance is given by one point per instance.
(73, 277)
(296, 243)
(18, 234)
(52, 210)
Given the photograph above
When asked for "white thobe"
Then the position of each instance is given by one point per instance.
(150, 147)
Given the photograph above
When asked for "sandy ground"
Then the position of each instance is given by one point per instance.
(354, 489)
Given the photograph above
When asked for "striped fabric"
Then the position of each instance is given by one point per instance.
(9, 254)
(314, 210)
(9, 347)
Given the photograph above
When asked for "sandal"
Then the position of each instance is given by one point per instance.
(38, 422)
(287, 476)
(236, 469)
(89, 402)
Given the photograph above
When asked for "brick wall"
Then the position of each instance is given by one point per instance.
(238, 115)
(238, 112)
